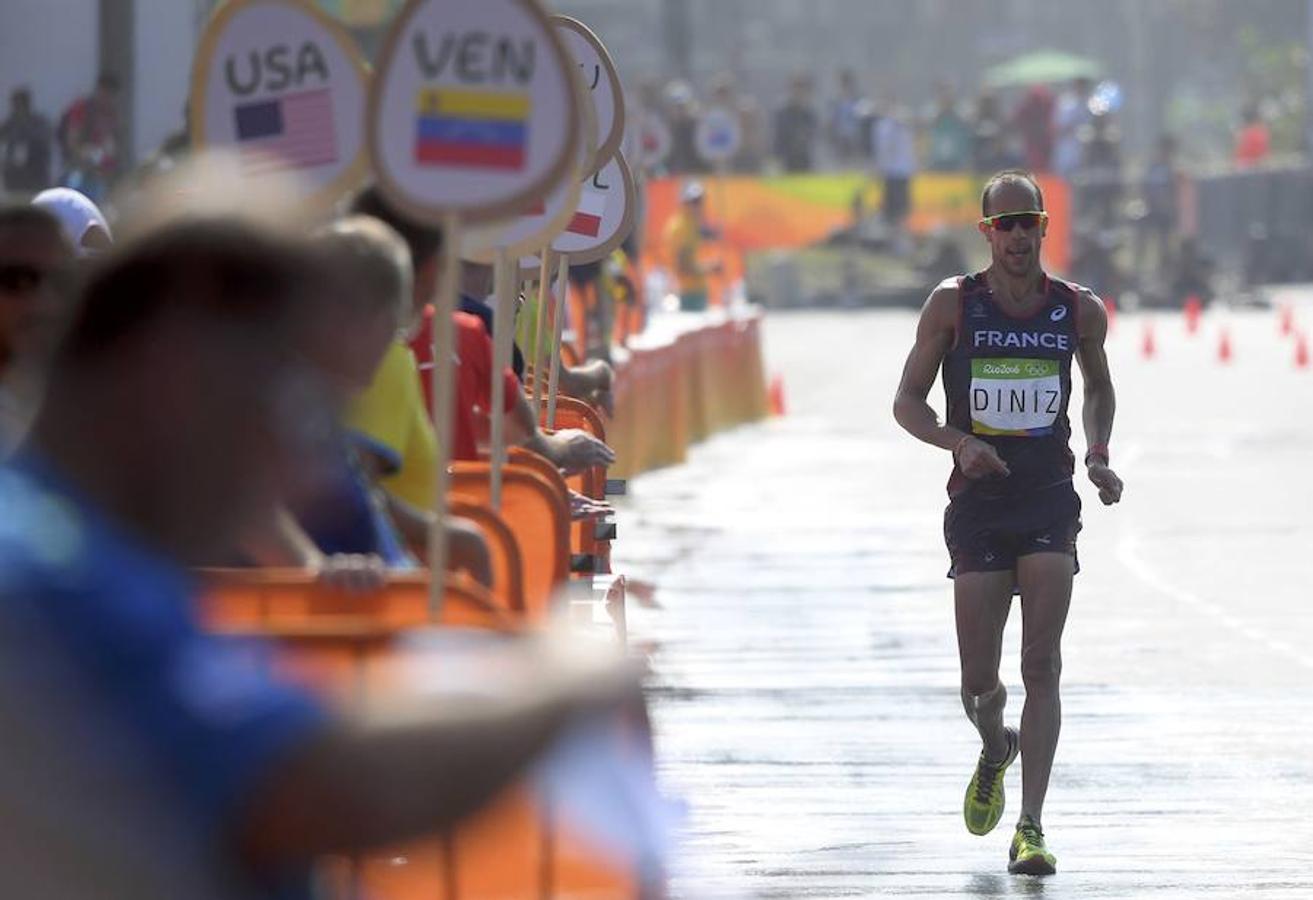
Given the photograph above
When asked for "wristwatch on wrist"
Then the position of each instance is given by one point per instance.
(1099, 452)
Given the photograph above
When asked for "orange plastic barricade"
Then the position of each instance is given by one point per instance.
(507, 564)
(538, 517)
(341, 646)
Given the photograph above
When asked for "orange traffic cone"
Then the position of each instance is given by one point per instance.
(1286, 318)
(777, 405)
(1149, 346)
(1193, 309)
(1301, 351)
(1224, 347)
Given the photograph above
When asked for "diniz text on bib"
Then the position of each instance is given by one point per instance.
(1015, 397)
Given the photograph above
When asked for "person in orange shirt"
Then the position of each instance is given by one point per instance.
(1253, 140)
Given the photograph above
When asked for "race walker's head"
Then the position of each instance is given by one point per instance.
(1013, 221)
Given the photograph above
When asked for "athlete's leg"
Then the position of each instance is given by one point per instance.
(982, 601)
(1045, 582)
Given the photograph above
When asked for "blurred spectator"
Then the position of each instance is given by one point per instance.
(990, 150)
(35, 267)
(845, 119)
(107, 507)
(26, 139)
(950, 135)
(569, 449)
(895, 158)
(1253, 142)
(1033, 120)
(796, 127)
(753, 147)
(83, 223)
(1162, 197)
(682, 115)
(684, 234)
(1099, 177)
(88, 137)
(1070, 114)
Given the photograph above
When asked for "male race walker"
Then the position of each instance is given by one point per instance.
(1004, 339)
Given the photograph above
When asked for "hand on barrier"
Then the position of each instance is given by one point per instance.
(583, 507)
(467, 550)
(574, 451)
(354, 573)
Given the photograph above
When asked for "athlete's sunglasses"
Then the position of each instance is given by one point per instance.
(1007, 221)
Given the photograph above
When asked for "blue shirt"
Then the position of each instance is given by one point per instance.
(347, 516)
(201, 710)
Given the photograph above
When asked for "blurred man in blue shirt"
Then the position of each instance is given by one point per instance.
(165, 434)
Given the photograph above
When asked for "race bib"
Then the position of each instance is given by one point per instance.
(1015, 397)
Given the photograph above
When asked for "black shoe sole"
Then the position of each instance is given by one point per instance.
(1036, 866)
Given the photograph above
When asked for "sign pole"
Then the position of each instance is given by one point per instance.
(539, 329)
(562, 297)
(443, 384)
(503, 334)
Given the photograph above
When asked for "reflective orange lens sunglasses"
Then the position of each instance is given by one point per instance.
(1007, 221)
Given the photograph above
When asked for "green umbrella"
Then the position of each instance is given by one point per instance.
(1042, 67)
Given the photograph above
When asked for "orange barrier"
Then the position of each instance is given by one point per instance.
(674, 391)
(575, 413)
(341, 646)
(507, 561)
(538, 517)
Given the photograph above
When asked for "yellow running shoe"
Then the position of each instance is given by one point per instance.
(1028, 855)
(983, 805)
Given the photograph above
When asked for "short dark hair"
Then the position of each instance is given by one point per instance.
(24, 215)
(227, 268)
(1010, 176)
(424, 240)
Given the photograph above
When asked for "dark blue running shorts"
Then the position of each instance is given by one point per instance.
(991, 534)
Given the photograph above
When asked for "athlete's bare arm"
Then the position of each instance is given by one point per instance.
(935, 333)
(1100, 399)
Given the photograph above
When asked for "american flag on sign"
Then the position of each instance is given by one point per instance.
(294, 131)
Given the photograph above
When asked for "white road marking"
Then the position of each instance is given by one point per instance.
(1128, 555)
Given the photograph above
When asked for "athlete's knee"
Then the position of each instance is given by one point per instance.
(1041, 668)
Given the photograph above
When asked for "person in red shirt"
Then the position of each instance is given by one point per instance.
(473, 378)
(571, 450)
(1253, 141)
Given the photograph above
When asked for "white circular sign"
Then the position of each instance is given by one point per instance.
(653, 139)
(600, 81)
(718, 135)
(284, 86)
(474, 109)
(604, 216)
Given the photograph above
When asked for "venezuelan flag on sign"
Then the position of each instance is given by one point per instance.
(472, 129)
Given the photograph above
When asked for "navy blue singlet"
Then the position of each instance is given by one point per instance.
(1007, 380)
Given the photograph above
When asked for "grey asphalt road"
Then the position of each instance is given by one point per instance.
(806, 671)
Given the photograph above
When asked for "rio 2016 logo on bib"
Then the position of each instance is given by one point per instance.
(1015, 397)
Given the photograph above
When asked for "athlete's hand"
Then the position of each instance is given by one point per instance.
(1106, 480)
(979, 459)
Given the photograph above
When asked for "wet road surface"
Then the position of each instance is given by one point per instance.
(806, 669)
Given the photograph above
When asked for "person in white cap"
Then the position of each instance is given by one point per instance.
(83, 223)
(684, 234)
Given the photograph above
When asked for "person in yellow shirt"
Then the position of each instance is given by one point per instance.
(684, 234)
(389, 419)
